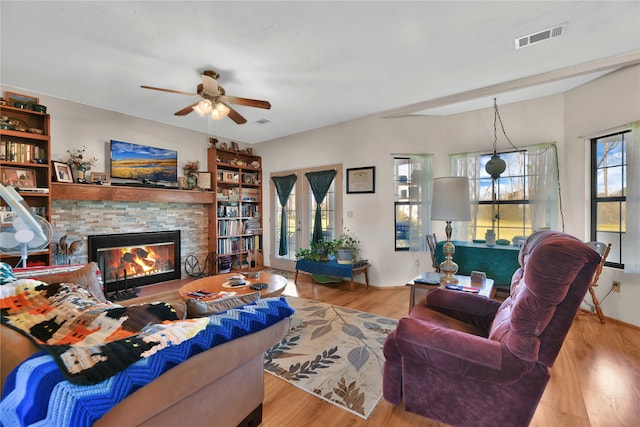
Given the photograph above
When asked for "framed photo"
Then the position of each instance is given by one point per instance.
(25, 99)
(62, 172)
(361, 180)
(234, 146)
(19, 177)
(204, 180)
(102, 177)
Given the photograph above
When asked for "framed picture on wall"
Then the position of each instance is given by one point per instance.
(361, 180)
(62, 172)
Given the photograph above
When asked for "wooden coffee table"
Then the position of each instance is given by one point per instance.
(275, 282)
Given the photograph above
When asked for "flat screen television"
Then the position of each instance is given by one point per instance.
(143, 163)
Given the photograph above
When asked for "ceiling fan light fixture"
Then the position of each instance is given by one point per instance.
(203, 107)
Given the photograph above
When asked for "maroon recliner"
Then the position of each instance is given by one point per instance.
(467, 360)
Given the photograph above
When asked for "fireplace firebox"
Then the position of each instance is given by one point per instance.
(131, 260)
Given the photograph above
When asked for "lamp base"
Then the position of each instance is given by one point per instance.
(448, 267)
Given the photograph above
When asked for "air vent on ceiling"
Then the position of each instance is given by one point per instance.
(540, 36)
(262, 121)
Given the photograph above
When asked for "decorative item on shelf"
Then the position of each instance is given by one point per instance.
(190, 172)
(490, 238)
(63, 251)
(450, 203)
(79, 163)
(62, 172)
(212, 142)
(234, 146)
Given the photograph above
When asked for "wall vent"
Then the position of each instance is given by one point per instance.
(541, 36)
(262, 121)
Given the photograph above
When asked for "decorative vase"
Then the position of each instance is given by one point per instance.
(82, 174)
(191, 182)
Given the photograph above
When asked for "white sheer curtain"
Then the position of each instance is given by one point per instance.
(543, 190)
(544, 187)
(422, 176)
(632, 234)
(467, 164)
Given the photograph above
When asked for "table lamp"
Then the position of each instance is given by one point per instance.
(450, 203)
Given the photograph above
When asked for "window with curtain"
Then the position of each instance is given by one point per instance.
(526, 197)
(413, 185)
(609, 192)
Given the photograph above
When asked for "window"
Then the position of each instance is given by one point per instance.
(524, 198)
(503, 204)
(609, 193)
(413, 182)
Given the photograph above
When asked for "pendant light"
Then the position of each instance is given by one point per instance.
(495, 166)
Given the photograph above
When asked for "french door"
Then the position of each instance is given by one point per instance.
(300, 215)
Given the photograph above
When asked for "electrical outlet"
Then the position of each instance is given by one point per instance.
(417, 262)
(616, 286)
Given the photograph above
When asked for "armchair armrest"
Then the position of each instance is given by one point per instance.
(472, 304)
(434, 344)
(458, 352)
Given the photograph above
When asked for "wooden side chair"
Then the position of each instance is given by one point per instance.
(431, 242)
(603, 250)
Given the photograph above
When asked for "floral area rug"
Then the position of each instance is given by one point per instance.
(333, 352)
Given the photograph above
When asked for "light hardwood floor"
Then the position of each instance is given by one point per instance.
(595, 380)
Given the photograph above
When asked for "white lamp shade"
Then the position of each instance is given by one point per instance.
(451, 199)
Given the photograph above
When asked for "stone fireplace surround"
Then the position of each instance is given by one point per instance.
(81, 218)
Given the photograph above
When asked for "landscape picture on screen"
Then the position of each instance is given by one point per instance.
(144, 163)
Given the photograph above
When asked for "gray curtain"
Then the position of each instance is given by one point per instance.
(284, 185)
(320, 183)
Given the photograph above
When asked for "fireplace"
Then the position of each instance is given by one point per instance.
(131, 260)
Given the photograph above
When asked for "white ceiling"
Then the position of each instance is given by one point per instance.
(318, 63)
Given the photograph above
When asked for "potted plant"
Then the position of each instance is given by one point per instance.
(318, 252)
(347, 248)
(79, 163)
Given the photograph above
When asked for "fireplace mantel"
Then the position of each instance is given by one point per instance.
(62, 191)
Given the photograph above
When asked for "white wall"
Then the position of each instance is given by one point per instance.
(607, 102)
(610, 101)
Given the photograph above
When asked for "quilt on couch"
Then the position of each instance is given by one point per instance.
(37, 394)
(90, 340)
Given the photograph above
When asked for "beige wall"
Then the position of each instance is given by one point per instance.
(599, 105)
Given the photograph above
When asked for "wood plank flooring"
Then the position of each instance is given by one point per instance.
(594, 382)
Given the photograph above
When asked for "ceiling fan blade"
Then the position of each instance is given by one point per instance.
(185, 110)
(236, 117)
(168, 90)
(250, 102)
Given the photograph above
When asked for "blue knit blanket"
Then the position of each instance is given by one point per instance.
(36, 393)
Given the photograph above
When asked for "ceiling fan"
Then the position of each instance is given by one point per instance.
(214, 100)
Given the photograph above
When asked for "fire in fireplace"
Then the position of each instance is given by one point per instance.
(131, 260)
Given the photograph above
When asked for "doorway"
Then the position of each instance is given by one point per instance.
(300, 213)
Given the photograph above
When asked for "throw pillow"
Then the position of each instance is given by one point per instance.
(197, 308)
(85, 276)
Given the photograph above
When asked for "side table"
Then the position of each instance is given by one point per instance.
(332, 268)
(430, 280)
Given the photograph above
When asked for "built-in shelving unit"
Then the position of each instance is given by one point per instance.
(235, 219)
(25, 152)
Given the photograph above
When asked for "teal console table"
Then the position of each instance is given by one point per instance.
(332, 268)
(499, 262)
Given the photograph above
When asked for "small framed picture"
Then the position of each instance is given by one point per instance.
(361, 180)
(19, 177)
(25, 99)
(99, 178)
(204, 180)
(62, 172)
(234, 146)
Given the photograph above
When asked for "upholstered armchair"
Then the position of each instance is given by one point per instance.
(467, 360)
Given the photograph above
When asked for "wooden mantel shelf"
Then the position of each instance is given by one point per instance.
(62, 191)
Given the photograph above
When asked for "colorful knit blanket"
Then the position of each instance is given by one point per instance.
(90, 340)
(36, 393)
